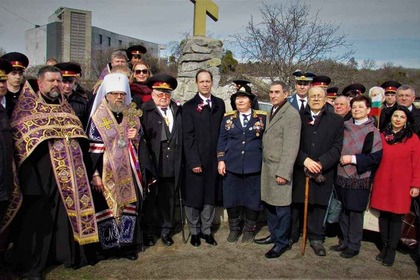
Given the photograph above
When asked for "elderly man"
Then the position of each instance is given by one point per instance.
(113, 130)
(202, 116)
(162, 128)
(319, 153)
(342, 107)
(299, 98)
(19, 63)
(280, 147)
(57, 207)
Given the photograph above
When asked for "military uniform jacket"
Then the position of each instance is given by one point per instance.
(241, 147)
(165, 148)
(280, 148)
(321, 141)
(200, 129)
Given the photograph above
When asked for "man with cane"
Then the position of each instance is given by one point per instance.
(319, 153)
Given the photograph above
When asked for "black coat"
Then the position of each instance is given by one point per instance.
(200, 134)
(80, 104)
(6, 155)
(153, 123)
(385, 118)
(321, 142)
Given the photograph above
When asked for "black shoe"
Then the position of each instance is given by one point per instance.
(319, 249)
(149, 240)
(132, 256)
(276, 252)
(349, 253)
(209, 239)
(338, 248)
(167, 240)
(233, 236)
(389, 257)
(195, 240)
(381, 255)
(291, 242)
(265, 240)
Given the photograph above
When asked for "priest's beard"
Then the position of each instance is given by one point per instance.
(116, 107)
(53, 94)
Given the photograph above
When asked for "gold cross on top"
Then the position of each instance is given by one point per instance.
(131, 113)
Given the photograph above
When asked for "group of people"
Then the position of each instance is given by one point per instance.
(91, 175)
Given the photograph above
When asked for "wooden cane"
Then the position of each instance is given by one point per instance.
(305, 216)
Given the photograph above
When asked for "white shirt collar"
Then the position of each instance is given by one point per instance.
(362, 121)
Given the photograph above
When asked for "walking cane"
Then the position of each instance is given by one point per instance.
(305, 215)
(181, 208)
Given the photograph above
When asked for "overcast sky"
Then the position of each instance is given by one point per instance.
(381, 30)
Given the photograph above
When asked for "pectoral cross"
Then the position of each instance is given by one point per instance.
(131, 113)
(106, 123)
(201, 9)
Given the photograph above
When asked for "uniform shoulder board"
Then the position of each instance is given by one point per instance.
(260, 112)
(230, 113)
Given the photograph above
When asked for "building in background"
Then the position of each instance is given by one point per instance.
(70, 36)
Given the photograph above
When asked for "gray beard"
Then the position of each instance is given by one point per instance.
(53, 94)
(116, 108)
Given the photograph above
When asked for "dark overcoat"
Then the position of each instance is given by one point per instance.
(153, 124)
(200, 129)
(321, 141)
(6, 155)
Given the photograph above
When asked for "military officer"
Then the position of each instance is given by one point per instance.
(15, 79)
(78, 100)
(299, 99)
(239, 154)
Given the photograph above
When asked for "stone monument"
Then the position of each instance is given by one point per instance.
(200, 52)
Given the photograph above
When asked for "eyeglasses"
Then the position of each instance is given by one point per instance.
(163, 94)
(138, 56)
(140, 71)
(117, 94)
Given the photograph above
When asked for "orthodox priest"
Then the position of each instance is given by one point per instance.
(57, 213)
(117, 181)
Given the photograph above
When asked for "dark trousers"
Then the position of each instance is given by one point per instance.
(351, 224)
(390, 229)
(160, 199)
(278, 220)
(296, 221)
(316, 215)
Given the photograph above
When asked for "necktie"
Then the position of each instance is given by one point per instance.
(209, 102)
(302, 105)
(245, 121)
(165, 117)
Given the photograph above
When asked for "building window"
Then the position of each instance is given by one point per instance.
(100, 39)
(109, 41)
(120, 43)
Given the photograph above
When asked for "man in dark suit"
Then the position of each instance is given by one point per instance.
(162, 128)
(319, 153)
(299, 98)
(201, 120)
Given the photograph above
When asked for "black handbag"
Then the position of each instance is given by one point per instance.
(334, 209)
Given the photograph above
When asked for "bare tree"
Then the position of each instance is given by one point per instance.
(289, 37)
